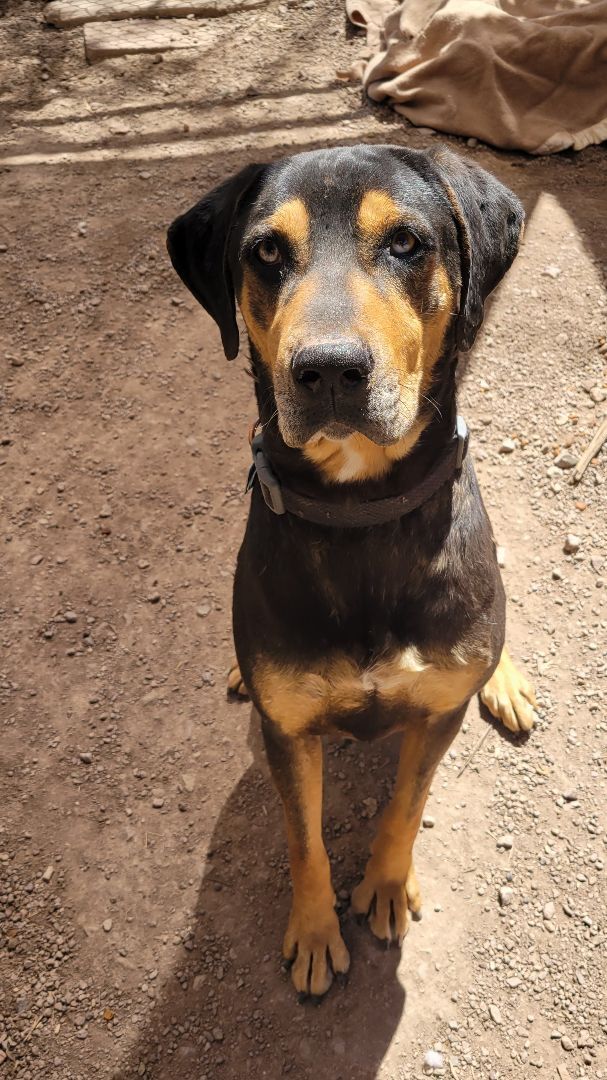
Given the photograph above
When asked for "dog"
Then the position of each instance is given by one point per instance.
(367, 595)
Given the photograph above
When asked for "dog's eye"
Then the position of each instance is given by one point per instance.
(403, 243)
(267, 252)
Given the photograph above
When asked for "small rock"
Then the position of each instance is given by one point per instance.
(428, 821)
(107, 925)
(70, 616)
(433, 1060)
(505, 895)
(552, 272)
(500, 553)
(508, 446)
(48, 873)
(566, 460)
(570, 795)
(188, 781)
(158, 803)
(597, 394)
(504, 842)
(566, 1043)
(549, 909)
(572, 544)
(218, 1034)
(143, 564)
(495, 1014)
(154, 598)
(86, 757)
(105, 512)
(203, 611)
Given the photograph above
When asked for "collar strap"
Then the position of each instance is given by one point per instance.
(356, 514)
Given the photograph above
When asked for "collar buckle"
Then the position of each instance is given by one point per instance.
(268, 480)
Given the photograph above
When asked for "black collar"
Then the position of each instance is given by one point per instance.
(356, 514)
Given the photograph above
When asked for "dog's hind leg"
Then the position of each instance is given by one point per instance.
(509, 696)
(236, 684)
(389, 889)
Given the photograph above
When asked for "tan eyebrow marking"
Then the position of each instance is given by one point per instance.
(376, 213)
(293, 221)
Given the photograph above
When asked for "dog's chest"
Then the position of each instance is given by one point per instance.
(367, 702)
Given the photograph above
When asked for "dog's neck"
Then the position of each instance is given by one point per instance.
(330, 469)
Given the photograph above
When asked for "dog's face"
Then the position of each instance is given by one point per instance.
(352, 267)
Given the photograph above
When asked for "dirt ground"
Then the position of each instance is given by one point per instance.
(143, 876)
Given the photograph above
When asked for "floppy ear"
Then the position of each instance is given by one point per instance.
(490, 222)
(198, 244)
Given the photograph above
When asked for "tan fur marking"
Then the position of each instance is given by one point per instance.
(293, 221)
(357, 458)
(300, 700)
(376, 213)
(275, 340)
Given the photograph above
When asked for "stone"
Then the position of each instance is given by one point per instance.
(500, 553)
(86, 757)
(68, 13)
(433, 1060)
(203, 611)
(572, 544)
(508, 446)
(70, 616)
(566, 1043)
(495, 1014)
(107, 925)
(504, 842)
(158, 803)
(566, 460)
(428, 821)
(48, 873)
(549, 909)
(552, 272)
(505, 895)
(597, 394)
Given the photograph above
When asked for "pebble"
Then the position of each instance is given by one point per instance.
(107, 925)
(48, 873)
(105, 512)
(566, 460)
(504, 842)
(433, 1060)
(495, 1014)
(566, 1043)
(505, 895)
(549, 909)
(508, 446)
(500, 553)
(552, 272)
(597, 394)
(428, 821)
(572, 544)
(203, 611)
(86, 757)
(158, 803)
(70, 616)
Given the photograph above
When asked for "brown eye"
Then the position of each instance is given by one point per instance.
(267, 252)
(403, 243)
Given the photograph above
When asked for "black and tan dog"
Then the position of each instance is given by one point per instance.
(367, 596)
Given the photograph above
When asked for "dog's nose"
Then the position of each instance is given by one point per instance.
(343, 366)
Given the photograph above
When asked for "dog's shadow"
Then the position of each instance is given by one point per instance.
(230, 1008)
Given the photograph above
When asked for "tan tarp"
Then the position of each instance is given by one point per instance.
(520, 74)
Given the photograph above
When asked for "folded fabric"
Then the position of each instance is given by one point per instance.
(520, 74)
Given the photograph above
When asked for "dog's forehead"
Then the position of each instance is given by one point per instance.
(331, 185)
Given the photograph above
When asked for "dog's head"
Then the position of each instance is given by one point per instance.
(356, 270)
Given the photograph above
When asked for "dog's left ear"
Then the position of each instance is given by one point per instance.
(490, 222)
(198, 246)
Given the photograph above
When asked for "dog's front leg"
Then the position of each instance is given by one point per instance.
(313, 940)
(389, 889)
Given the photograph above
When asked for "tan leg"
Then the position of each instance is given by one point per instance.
(509, 696)
(389, 889)
(313, 940)
(236, 682)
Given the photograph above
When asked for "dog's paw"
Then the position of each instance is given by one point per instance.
(236, 684)
(509, 696)
(314, 948)
(387, 903)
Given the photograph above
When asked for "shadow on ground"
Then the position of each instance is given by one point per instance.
(231, 975)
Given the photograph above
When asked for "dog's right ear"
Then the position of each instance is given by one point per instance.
(198, 243)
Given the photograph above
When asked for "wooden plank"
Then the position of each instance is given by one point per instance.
(104, 40)
(69, 13)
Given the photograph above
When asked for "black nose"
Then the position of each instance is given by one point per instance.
(341, 365)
